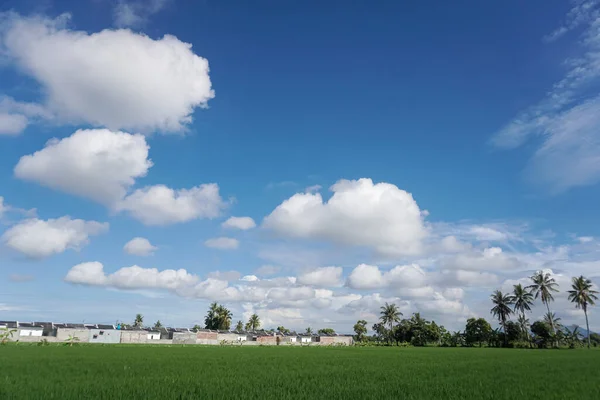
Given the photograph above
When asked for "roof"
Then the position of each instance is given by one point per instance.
(103, 326)
(29, 325)
(9, 324)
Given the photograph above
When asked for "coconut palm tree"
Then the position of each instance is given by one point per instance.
(524, 324)
(158, 324)
(223, 317)
(309, 331)
(583, 296)
(551, 319)
(139, 321)
(543, 285)
(389, 316)
(239, 327)
(522, 301)
(501, 309)
(253, 323)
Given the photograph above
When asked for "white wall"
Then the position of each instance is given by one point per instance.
(306, 340)
(30, 332)
(153, 336)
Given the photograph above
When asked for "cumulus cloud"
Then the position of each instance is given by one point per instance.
(325, 276)
(489, 259)
(97, 164)
(12, 124)
(243, 223)
(365, 277)
(103, 165)
(139, 246)
(267, 270)
(380, 216)
(161, 205)
(113, 78)
(37, 238)
(222, 243)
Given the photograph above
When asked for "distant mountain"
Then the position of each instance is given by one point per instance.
(582, 329)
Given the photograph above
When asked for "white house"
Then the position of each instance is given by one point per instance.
(153, 336)
(28, 329)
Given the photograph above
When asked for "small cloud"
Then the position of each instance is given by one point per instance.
(134, 14)
(313, 188)
(585, 239)
(243, 223)
(222, 243)
(18, 278)
(139, 246)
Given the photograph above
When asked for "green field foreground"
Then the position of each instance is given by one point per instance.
(197, 372)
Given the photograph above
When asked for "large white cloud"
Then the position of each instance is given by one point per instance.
(380, 216)
(42, 238)
(402, 276)
(325, 276)
(97, 164)
(161, 205)
(113, 78)
(139, 246)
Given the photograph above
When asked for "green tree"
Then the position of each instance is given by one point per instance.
(218, 317)
(552, 320)
(210, 321)
(158, 325)
(501, 309)
(390, 315)
(522, 302)
(283, 330)
(542, 287)
(583, 295)
(326, 331)
(139, 321)
(239, 327)
(253, 323)
(477, 331)
(309, 331)
(541, 333)
(360, 328)
(573, 337)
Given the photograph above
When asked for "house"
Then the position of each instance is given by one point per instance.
(134, 336)
(206, 336)
(152, 334)
(226, 336)
(64, 333)
(335, 339)
(104, 335)
(29, 329)
(8, 324)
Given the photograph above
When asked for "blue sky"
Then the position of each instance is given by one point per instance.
(424, 154)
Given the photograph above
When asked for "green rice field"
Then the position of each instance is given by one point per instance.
(198, 372)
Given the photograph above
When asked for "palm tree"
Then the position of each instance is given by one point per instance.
(239, 327)
(224, 316)
(211, 316)
(523, 300)
(389, 316)
(309, 331)
(253, 323)
(551, 319)
(543, 286)
(158, 324)
(583, 295)
(139, 321)
(501, 309)
(524, 324)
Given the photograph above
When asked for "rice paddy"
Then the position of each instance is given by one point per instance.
(197, 372)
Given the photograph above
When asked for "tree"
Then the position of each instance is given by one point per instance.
(239, 327)
(524, 326)
(552, 320)
(583, 296)
(158, 325)
(309, 331)
(541, 333)
(326, 331)
(523, 301)
(380, 332)
(389, 316)
(360, 328)
(513, 331)
(283, 330)
(542, 287)
(218, 317)
(253, 323)
(139, 321)
(501, 309)
(573, 337)
(477, 331)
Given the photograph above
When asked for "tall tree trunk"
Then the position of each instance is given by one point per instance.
(525, 329)
(552, 324)
(587, 325)
(504, 329)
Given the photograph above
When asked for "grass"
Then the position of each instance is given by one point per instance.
(197, 372)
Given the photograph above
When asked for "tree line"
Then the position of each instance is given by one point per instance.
(547, 332)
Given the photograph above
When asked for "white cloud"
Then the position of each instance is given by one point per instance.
(3, 207)
(567, 118)
(490, 259)
(135, 277)
(243, 223)
(98, 164)
(12, 124)
(38, 238)
(400, 277)
(484, 233)
(361, 213)
(113, 78)
(461, 277)
(136, 13)
(139, 246)
(222, 243)
(160, 205)
(325, 276)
